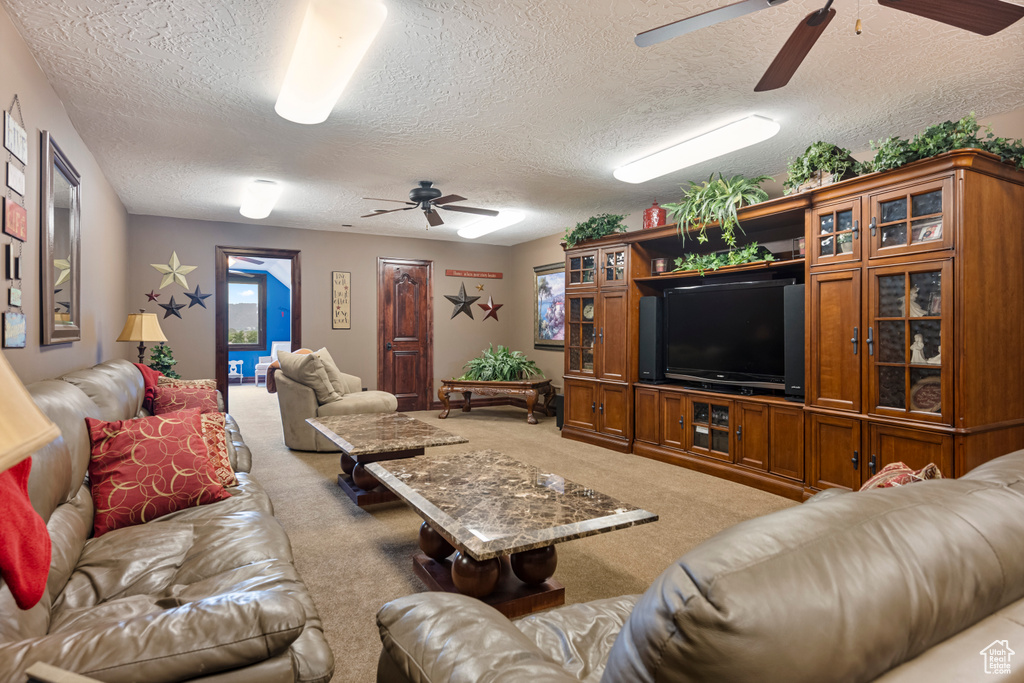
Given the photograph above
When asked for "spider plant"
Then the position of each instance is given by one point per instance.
(501, 365)
(716, 201)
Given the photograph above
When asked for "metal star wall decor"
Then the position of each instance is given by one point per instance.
(171, 308)
(479, 288)
(463, 303)
(152, 295)
(197, 297)
(64, 266)
(173, 272)
(491, 308)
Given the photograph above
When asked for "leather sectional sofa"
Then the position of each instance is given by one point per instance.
(207, 593)
(907, 584)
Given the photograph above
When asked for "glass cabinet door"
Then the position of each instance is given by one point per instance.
(910, 321)
(614, 270)
(836, 233)
(581, 338)
(914, 219)
(708, 430)
(581, 270)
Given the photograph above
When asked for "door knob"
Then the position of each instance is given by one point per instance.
(387, 346)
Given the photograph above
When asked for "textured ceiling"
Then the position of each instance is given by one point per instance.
(524, 104)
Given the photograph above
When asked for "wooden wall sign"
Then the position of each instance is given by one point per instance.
(481, 275)
(15, 220)
(341, 300)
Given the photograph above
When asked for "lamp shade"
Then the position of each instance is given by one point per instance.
(23, 427)
(142, 327)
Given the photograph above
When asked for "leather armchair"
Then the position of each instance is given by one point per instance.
(906, 584)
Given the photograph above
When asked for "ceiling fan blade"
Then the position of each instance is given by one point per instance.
(449, 198)
(240, 273)
(381, 212)
(796, 48)
(433, 219)
(978, 16)
(249, 260)
(396, 201)
(699, 21)
(470, 209)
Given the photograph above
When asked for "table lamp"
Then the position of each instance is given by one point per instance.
(142, 327)
(23, 427)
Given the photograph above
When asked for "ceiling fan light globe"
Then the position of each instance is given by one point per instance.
(719, 142)
(332, 41)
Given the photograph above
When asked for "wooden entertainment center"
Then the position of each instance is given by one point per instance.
(898, 265)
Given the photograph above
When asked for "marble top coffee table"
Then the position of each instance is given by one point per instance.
(372, 437)
(503, 518)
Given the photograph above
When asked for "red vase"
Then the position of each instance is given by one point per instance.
(654, 216)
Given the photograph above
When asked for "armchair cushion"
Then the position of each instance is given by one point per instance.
(342, 383)
(363, 402)
(308, 369)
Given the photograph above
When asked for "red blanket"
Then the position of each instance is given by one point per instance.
(149, 376)
(24, 541)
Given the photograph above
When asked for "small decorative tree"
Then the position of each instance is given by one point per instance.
(161, 359)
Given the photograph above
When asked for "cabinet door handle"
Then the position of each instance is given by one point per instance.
(873, 226)
(856, 230)
(601, 408)
(681, 421)
(856, 460)
(593, 407)
(872, 463)
(871, 341)
(853, 341)
(600, 335)
(739, 433)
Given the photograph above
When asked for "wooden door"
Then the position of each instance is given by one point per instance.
(836, 340)
(836, 232)
(612, 336)
(836, 458)
(581, 404)
(581, 334)
(751, 433)
(786, 452)
(912, 447)
(709, 428)
(405, 331)
(645, 412)
(673, 420)
(613, 409)
(913, 219)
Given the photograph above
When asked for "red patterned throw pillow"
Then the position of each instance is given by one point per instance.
(148, 467)
(164, 381)
(898, 474)
(217, 443)
(169, 399)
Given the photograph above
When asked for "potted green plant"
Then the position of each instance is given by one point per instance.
(593, 228)
(702, 263)
(716, 201)
(947, 136)
(161, 359)
(500, 365)
(820, 164)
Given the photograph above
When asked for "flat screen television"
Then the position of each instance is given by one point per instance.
(730, 333)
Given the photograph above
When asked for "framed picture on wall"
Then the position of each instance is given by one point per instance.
(15, 336)
(549, 306)
(15, 138)
(341, 300)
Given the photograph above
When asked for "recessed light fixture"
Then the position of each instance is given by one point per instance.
(258, 198)
(485, 226)
(728, 138)
(333, 39)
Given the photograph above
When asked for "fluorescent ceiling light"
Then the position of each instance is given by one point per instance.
(334, 37)
(258, 198)
(485, 226)
(729, 138)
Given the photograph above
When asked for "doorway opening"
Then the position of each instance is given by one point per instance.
(259, 312)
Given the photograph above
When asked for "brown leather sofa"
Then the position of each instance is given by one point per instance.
(900, 585)
(207, 593)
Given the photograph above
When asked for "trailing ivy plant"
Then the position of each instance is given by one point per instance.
(501, 365)
(943, 137)
(734, 257)
(821, 156)
(593, 228)
(716, 201)
(161, 359)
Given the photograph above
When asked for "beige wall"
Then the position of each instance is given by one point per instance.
(104, 226)
(152, 239)
(525, 256)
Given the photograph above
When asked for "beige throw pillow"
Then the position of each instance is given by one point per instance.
(337, 377)
(308, 369)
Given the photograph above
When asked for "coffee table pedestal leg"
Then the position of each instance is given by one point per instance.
(360, 485)
(434, 544)
(534, 567)
(347, 463)
(475, 578)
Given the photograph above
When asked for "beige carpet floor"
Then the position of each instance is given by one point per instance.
(355, 560)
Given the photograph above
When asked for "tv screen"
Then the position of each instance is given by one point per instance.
(732, 333)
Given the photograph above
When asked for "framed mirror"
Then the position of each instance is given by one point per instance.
(60, 196)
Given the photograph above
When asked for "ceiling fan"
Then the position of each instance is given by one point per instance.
(426, 197)
(985, 17)
(234, 259)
